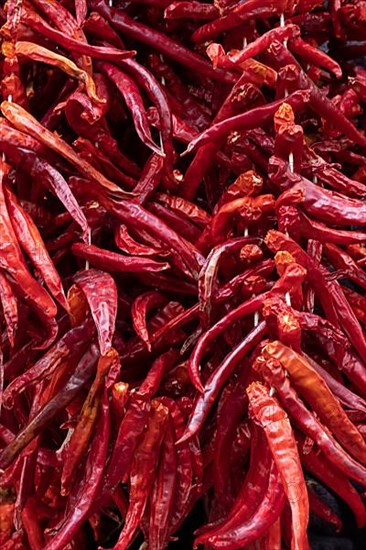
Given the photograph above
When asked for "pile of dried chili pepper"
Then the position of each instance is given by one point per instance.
(182, 274)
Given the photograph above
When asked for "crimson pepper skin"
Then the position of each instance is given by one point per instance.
(10, 308)
(274, 375)
(143, 471)
(204, 401)
(219, 59)
(268, 414)
(104, 259)
(24, 121)
(251, 491)
(91, 481)
(79, 378)
(317, 394)
(123, 23)
(248, 120)
(104, 307)
(163, 491)
(320, 468)
(237, 16)
(196, 10)
(31, 241)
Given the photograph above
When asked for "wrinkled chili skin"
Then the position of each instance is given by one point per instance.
(182, 267)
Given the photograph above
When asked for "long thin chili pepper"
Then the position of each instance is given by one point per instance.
(321, 399)
(248, 120)
(104, 259)
(31, 241)
(143, 471)
(266, 411)
(23, 121)
(82, 374)
(304, 419)
(320, 468)
(204, 401)
(123, 23)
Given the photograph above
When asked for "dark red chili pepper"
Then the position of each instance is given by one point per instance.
(248, 120)
(104, 259)
(123, 23)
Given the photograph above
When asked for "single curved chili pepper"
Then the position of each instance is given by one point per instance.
(314, 55)
(39, 25)
(22, 120)
(320, 468)
(247, 308)
(341, 260)
(140, 307)
(150, 178)
(207, 281)
(83, 372)
(325, 204)
(247, 120)
(100, 292)
(317, 394)
(128, 245)
(111, 261)
(275, 376)
(163, 491)
(320, 509)
(123, 23)
(157, 94)
(268, 414)
(184, 473)
(238, 15)
(142, 473)
(31, 241)
(10, 308)
(226, 61)
(131, 95)
(339, 181)
(312, 229)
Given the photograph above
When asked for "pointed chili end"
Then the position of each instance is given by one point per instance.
(188, 150)
(185, 437)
